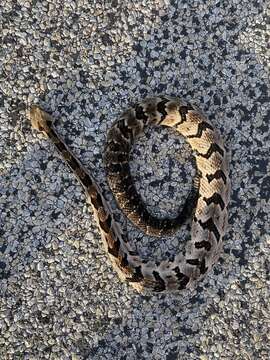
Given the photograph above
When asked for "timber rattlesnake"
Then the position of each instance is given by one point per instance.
(207, 203)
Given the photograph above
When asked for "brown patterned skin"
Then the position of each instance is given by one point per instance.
(206, 204)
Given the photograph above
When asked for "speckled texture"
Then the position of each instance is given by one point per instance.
(84, 63)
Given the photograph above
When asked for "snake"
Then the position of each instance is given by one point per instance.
(206, 205)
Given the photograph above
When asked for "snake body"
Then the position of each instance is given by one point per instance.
(206, 205)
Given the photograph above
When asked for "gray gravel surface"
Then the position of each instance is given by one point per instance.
(85, 61)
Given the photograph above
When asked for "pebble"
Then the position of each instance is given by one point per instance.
(85, 62)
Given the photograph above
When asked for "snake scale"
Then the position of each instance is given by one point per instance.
(206, 205)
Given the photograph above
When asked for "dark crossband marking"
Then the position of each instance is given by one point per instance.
(106, 225)
(114, 250)
(195, 262)
(61, 147)
(125, 129)
(96, 201)
(183, 112)
(137, 276)
(183, 279)
(203, 244)
(178, 273)
(201, 127)
(183, 283)
(215, 199)
(87, 181)
(140, 114)
(219, 174)
(160, 283)
(124, 261)
(133, 253)
(203, 268)
(210, 225)
(198, 263)
(161, 108)
(212, 149)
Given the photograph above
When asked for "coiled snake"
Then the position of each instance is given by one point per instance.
(206, 204)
